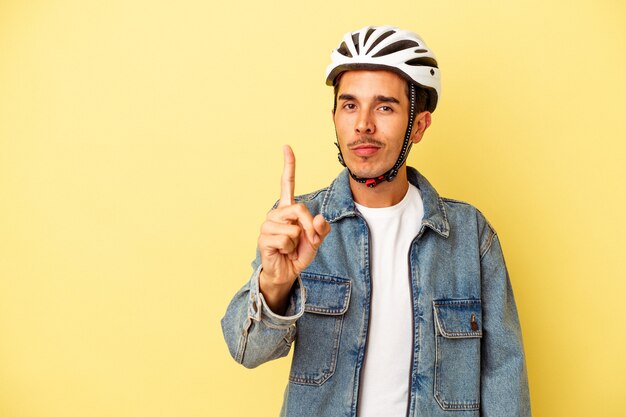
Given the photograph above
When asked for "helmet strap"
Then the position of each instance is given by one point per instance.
(404, 153)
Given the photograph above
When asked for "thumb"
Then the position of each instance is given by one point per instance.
(321, 226)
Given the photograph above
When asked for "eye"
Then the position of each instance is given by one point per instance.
(385, 108)
(349, 106)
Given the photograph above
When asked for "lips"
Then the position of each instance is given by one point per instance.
(365, 150)
(365, 146)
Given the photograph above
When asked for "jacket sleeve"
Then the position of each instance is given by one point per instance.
(504, 382)
(255, 334)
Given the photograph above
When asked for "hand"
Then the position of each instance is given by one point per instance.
(290, 237)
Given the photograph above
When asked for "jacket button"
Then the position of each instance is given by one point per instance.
(473, 323)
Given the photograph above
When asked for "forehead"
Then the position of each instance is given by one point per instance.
(364, 83)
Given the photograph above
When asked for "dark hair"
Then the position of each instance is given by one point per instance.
(421, 95)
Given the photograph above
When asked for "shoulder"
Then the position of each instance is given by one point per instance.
(463, 216)
(313, 200)
(312, 196)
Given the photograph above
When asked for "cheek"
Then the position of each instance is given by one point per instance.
(388, 131)
(396, 130)
(343, 125)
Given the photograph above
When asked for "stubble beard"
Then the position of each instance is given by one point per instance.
(367, 140)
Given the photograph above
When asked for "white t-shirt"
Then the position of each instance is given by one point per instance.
(386, 370)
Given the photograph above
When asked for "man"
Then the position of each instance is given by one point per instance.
(398, 300)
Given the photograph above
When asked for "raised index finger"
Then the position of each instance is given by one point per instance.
(288, 180)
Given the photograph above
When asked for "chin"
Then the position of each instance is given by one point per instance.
(367, 173)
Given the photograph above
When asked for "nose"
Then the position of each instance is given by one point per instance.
(365, 123)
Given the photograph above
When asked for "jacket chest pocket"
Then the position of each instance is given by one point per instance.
(458, 331)
(318, 331)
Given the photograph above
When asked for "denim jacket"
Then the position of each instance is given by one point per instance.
(468, 357)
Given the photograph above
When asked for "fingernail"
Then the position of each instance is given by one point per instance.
(316, 240)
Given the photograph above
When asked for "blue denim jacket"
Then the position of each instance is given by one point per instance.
(468, 357)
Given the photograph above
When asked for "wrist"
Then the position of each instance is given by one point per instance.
(276, 294)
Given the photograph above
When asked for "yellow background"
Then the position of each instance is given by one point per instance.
(140, 149)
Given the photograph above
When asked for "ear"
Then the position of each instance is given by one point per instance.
(421, 123)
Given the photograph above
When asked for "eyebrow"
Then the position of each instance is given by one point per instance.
(385, 99)
(378, 98)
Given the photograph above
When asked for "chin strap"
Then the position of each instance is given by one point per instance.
(404, 153)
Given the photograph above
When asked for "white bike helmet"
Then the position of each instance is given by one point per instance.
(393, 49)
(389, 48)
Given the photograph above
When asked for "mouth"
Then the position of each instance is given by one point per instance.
(365, 148)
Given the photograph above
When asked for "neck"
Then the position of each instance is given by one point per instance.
(385, 194)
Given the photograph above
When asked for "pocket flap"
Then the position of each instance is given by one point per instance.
(458, 318)
(326, 294)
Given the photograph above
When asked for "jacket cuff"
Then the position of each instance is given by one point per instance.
(258, 309)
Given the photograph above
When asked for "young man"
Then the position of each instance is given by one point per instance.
(398, 300)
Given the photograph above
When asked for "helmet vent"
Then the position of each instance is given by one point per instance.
(367, 35)
(343, 50)
(395, 47)
(422, 62)
(355, 41)
(380, 39)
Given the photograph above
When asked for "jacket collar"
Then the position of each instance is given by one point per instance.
(338, 202)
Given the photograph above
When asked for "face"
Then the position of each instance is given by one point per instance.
(371, 120)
